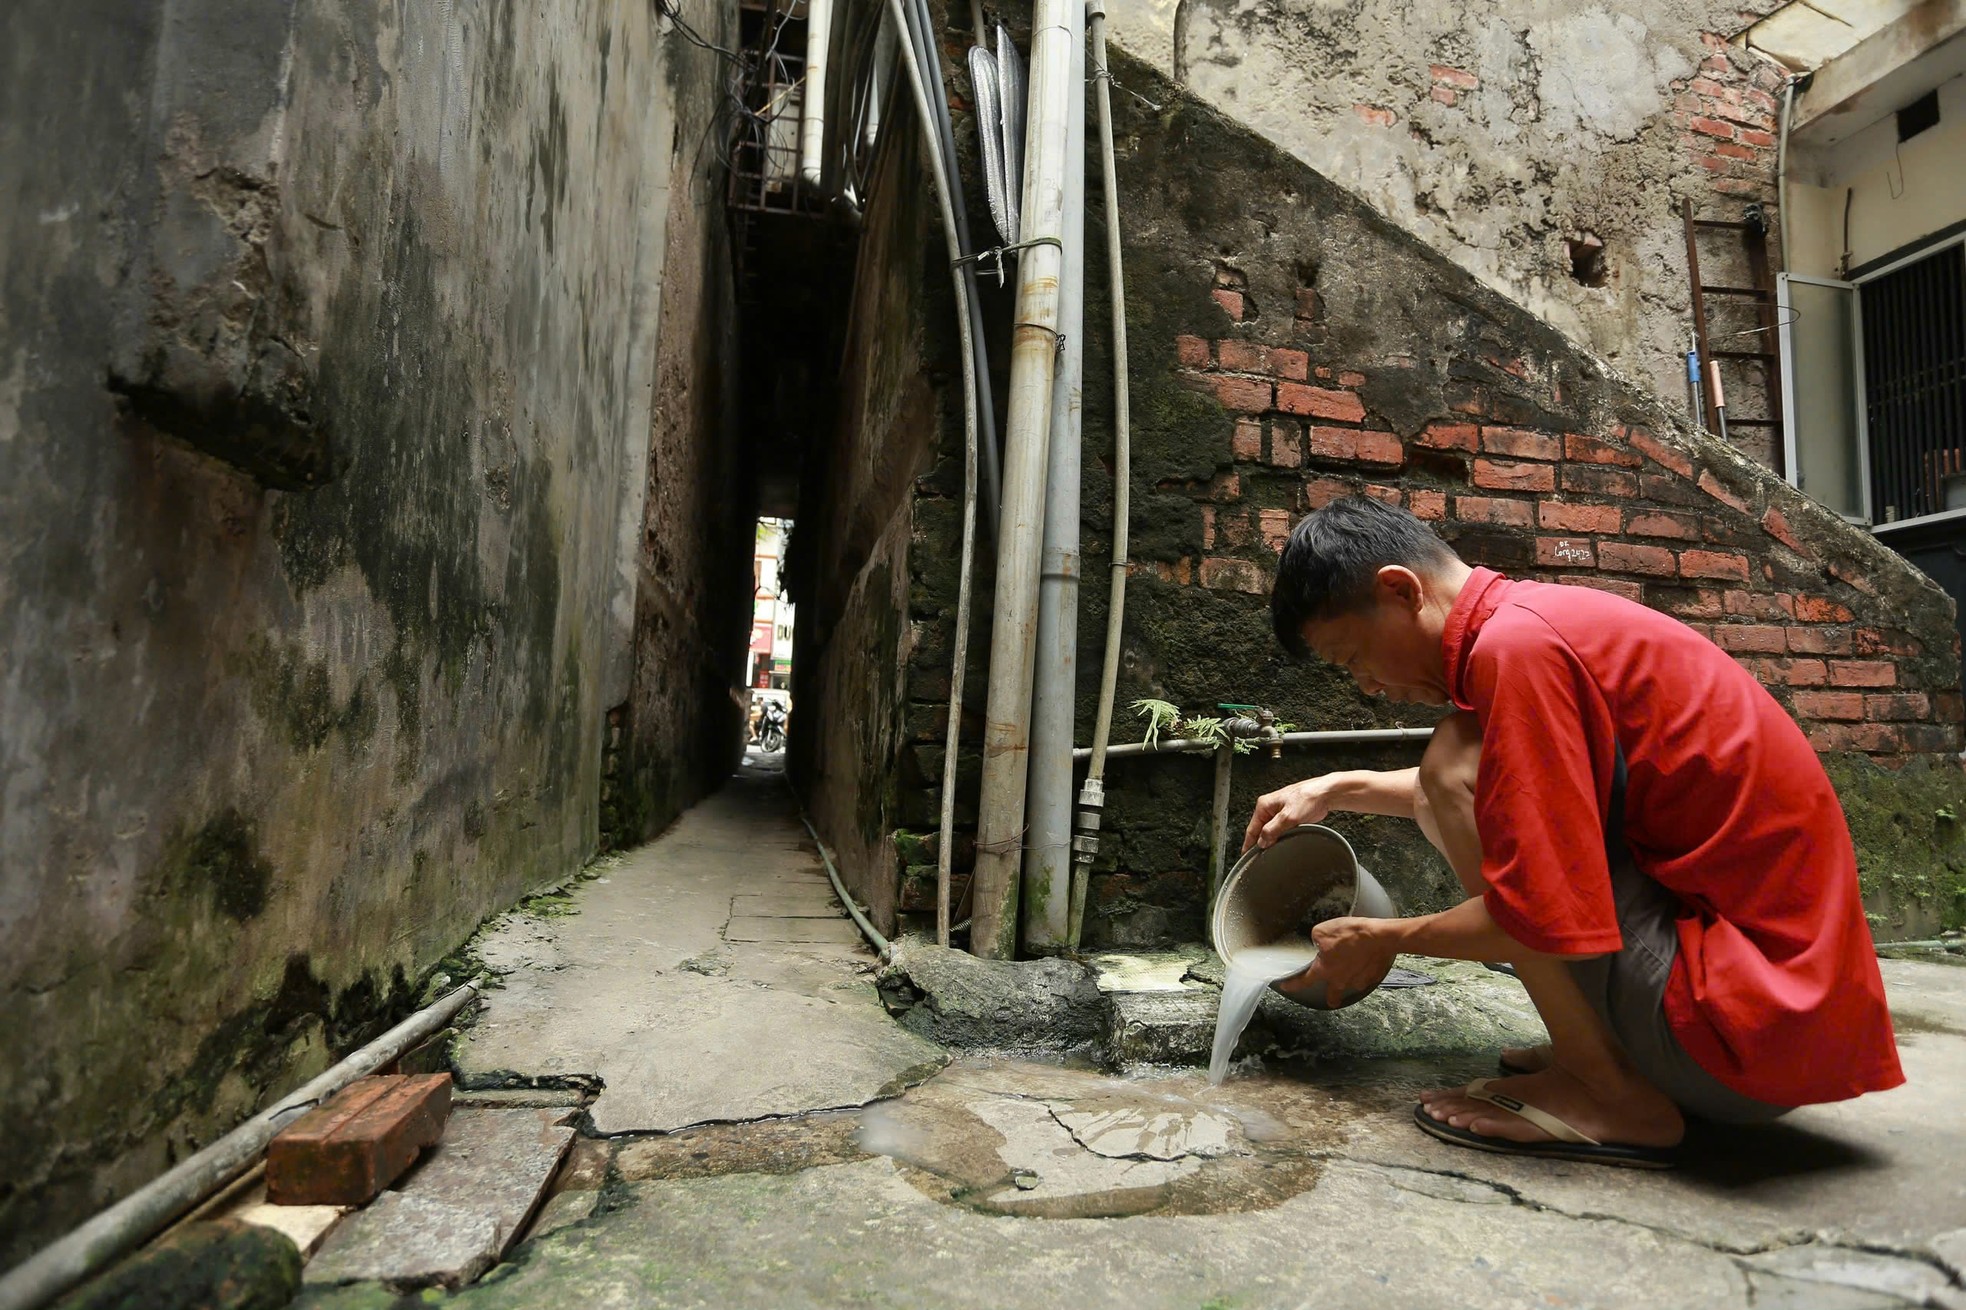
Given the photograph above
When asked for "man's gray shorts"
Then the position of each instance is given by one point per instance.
(1628, 989)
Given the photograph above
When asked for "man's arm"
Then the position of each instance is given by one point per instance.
(1360, 791)
(1353, 954)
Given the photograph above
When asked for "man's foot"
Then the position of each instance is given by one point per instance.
(1633, 1113)
(1526, 1059)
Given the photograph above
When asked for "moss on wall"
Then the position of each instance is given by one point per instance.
(1909, 828)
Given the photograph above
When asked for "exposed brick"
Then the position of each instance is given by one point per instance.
(1821, 641)
(1224, 487)
(1455, 77)
(1230, 301)
(1485, 509)
(1565, 553)
(1242, 356)
(1192, 351)
(1332, 443)
(1711, 485)
(1712, 127)
(1733, 150)
(1380, 448)
(1698, 603)
(1444, 95)
(1507, 475)
(1377, 115)
(1881, 738)
(1770, 606)
(1593, 450)
(1659, 452)
(1429, 505)
(1863, 673)
(1949, 706)
(1274, 527)
(1319, 402)
(1658, 523)
(1521, 443)
(1713, 564)
(1286, 444)
(1247, 444)
(1564, 516)
(1181, 572)
(1307, 303)
(1625, 557)
(1755, 137)
(1449, 436)
(1754, 638)
(1599, 481)
(1347, 378)
(1293, 365)
(1897, 705)
(1844, 705)
(1873, 641)
(1816, 609)
(1789, 673)
(1383, 494)
(1234, 530)
(1320, 492)
(1221, 574)
(1208, 527)
(1247, 395)
(1616, 586)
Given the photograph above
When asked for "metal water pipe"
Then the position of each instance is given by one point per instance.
(1020, 535)
(1047, 887)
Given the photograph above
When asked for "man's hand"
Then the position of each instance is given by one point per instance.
(1280, 811)
(1353, 957)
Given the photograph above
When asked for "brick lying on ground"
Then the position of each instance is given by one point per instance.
(347, 1150)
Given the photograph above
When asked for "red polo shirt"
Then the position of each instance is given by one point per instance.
(1775, 990)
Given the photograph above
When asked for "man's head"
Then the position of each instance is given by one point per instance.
(1367, 586)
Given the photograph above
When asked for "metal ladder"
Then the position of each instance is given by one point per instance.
(1713, 397)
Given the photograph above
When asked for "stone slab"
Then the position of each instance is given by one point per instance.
(306, 1226)
(640, 991)
(753, 928)
(798, 901)
(457, 1213)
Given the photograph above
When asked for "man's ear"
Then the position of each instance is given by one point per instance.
(1400, 587)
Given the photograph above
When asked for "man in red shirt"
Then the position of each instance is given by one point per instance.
(1642, 831)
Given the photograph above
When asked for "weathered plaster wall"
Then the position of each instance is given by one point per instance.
(854, 545)
(326, 350)
(1499, 130)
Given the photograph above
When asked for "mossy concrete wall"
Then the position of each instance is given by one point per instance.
(1289, 344)
(327, 351)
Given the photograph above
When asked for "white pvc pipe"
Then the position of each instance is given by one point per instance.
(941, 171)
(812, 118)
(145, 1212)
(1047, 887)
(1199, 745)
(1020, 535)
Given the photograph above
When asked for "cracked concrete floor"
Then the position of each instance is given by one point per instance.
(997, 1183)
(708, 976)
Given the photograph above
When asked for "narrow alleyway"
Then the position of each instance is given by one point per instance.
(758, 1132)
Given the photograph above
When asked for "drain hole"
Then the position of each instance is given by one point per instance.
(1587, 263)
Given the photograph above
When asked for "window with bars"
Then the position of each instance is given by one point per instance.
(1914, 361)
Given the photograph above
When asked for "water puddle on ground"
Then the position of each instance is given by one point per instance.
(1249, 976)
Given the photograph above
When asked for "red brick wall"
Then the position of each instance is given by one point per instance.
(1726, 113)
(1627, 510)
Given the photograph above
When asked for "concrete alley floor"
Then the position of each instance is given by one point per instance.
(999, 1183)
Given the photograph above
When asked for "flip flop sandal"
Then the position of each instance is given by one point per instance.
(1569, 1144)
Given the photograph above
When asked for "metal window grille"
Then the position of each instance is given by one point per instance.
(1914, 328)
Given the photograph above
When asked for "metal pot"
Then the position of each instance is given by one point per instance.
(1278, 894)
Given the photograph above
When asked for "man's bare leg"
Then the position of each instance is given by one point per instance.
(1589, 1083)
